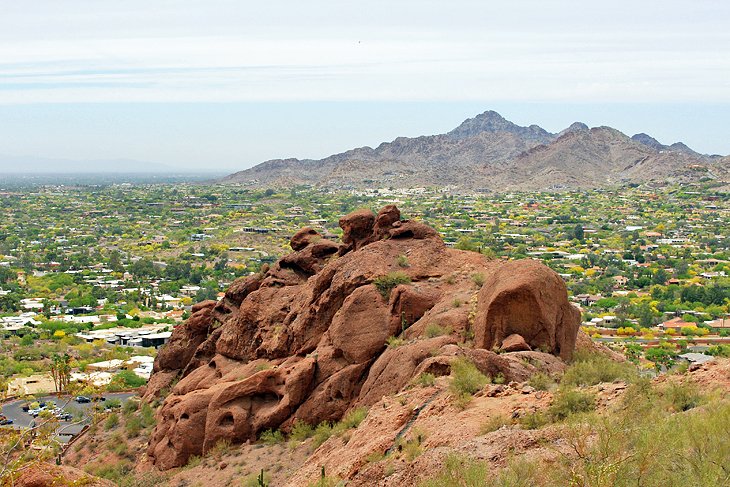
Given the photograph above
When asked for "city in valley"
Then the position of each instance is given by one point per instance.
(95, 278)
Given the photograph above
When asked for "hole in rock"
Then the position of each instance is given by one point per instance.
(226, 420)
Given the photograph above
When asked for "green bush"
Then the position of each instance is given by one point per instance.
(133, 426)
(493, 424)
(594, 368)
(465, 381)
(534, 420)
(112, 421)
(300, 431)
(130, 406)
(478, 279)
(719, 350)
(434, 330)
(386, 283)
(125, 379)
(541, 381)
(394, 342)
(570, 401)
(322, 433)
(425, 380)
(683, 397)
(271, 437)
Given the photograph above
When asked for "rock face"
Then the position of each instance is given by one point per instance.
(306, 339)
(528, 299)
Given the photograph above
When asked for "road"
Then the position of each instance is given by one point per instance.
(21, 419)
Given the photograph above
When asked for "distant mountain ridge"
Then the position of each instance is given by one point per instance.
(490, 152)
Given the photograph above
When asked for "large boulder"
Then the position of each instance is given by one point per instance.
(306, 338)
(527, 298)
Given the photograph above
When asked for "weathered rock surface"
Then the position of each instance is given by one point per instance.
(514, 343)
(47, 475)
(525, 297)
(306, 339)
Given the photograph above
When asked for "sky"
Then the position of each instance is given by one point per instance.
(223, 84)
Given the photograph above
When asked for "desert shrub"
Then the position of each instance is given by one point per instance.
(411, 447)
(112, 403)
(425, 380)
(112, 421)
(326, 481)
(493, 424)
(478, 279)
(434, 330)
(657, 448)
(114, 471)
(541, 381)
(570, 401)
(534, 420)
(322, 433)
(133, 426)
(147, 413)
(271, 437)
(402, 261)
(261, 479)
(719, 350)
(466, 378)
(499, 378)
(683, 396)
(457, 303)
(300, 431)
(194, 461)
(459, 471)
(130, 406)
(594, 368)
(394, 342)
(221, 448)
(353, 418)
(325, 430)
(125, 379)
(386, 283)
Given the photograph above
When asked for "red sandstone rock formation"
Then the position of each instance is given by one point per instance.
(306, 339)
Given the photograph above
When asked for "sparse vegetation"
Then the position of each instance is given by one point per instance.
(465, 380)
(300, 431)
(425, 380)
(394, 342)
(386, 283)
(493, 424)
(541, 381)
(271, 437)
(589, 369)
(435, 330)
(478, 279)
(570, 401)
(402, 261)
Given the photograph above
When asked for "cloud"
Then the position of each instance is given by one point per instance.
(192, 51)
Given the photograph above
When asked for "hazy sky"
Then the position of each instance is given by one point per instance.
(228, 84)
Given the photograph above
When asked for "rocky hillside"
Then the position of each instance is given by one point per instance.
(489, 152)
(333, 327)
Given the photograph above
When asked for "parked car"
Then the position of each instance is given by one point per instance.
(82, 399)
(5, 421)
(64, 416)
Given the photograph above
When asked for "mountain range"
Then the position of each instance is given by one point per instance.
(491, 153)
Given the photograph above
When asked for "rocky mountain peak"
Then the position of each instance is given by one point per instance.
(575, 127)
(648, 140)
(491, 121)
